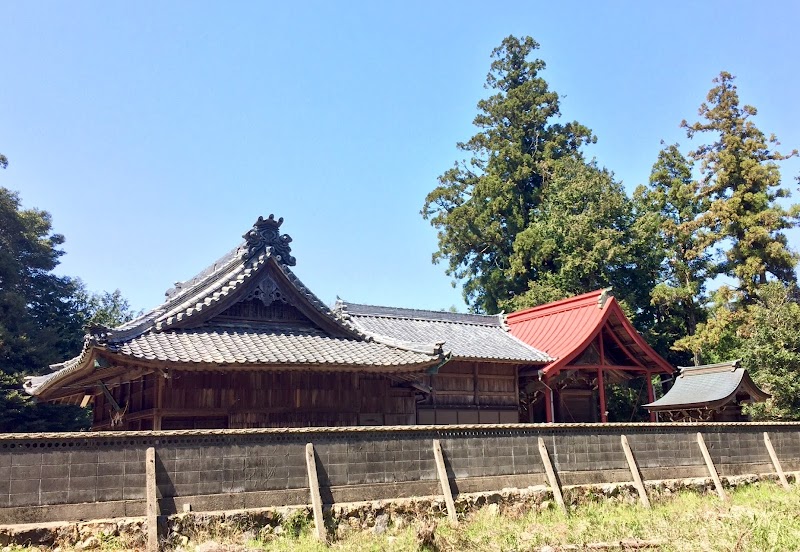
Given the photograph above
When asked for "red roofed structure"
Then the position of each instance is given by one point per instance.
(592, 342)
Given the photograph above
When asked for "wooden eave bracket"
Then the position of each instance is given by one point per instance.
(109, 397)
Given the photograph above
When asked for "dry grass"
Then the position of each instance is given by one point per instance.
(759, 517)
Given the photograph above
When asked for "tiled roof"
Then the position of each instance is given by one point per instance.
(466, 336)
(708, 386)
(177, 330)
(564, 328)
(253, 346)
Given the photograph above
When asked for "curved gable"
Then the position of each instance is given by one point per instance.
(564, 329)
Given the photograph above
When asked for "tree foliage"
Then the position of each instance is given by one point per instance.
(527, 220)
(741, 182)
(580, 237)
(668, 209)
(42, 315)
(481, 205)
(764, 331)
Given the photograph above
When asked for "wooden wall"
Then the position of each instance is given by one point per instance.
(467, 392)
(462, 392)
(215, 400)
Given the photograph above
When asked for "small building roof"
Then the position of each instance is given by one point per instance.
(190, 328)
(708, 386)
(565, 328)
(465, 336)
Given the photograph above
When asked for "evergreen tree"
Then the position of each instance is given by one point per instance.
(580, 237)
(741, 181)
(764, 331)
(670, 208)
(42, 316)
(480, 206)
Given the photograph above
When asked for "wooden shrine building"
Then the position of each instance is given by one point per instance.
(480, 382)
(708, 393)
(593, 344)
(246, 344)
(242, 344)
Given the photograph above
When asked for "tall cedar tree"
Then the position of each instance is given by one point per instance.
(581, 237)
(480, 206)
(670, 208)
(741, 182)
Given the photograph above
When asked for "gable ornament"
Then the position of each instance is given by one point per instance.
(265, 234)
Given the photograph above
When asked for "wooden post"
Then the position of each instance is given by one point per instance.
(159, 399)
(151, 491)
(555, 486)
(710, 465)
(548, 405)
(601, 384)
(601, 387)
(651, 396)
(316, 498)
(637, 478)
(776, 462)
(444, 481)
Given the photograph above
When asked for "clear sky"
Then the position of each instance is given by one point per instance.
(155, 133)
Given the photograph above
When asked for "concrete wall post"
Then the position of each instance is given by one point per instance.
(555, 484)
(775, 461)
(441, 470)
(712, 471)
(151, 491)
(316, 498)
(637, 477)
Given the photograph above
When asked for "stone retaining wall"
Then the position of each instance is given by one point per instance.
(80, 476)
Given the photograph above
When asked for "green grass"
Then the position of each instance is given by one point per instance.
(758, 517)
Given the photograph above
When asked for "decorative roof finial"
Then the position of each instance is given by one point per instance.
(601, 302)
(266, 234)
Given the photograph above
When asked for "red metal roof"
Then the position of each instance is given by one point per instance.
(565, 328)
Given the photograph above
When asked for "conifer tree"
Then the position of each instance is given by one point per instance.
(742, 183)
(670, 209)
(481, 205)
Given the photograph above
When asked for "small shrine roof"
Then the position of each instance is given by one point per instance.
(709, 385)
(565, 328)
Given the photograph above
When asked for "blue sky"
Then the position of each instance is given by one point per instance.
(155, 133)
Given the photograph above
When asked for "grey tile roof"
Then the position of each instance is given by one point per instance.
(466, 336)
(705, 385)
(253, 346)
(175, 331)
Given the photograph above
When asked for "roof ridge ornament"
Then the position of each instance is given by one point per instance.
(604, 295)
(265, 234)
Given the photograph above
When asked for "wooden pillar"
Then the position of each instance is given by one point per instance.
(651, 397)
(548, 405)
(158, 399)
(601, 386)
(475, 390)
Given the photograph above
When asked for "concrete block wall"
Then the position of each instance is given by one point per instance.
(49, 477)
